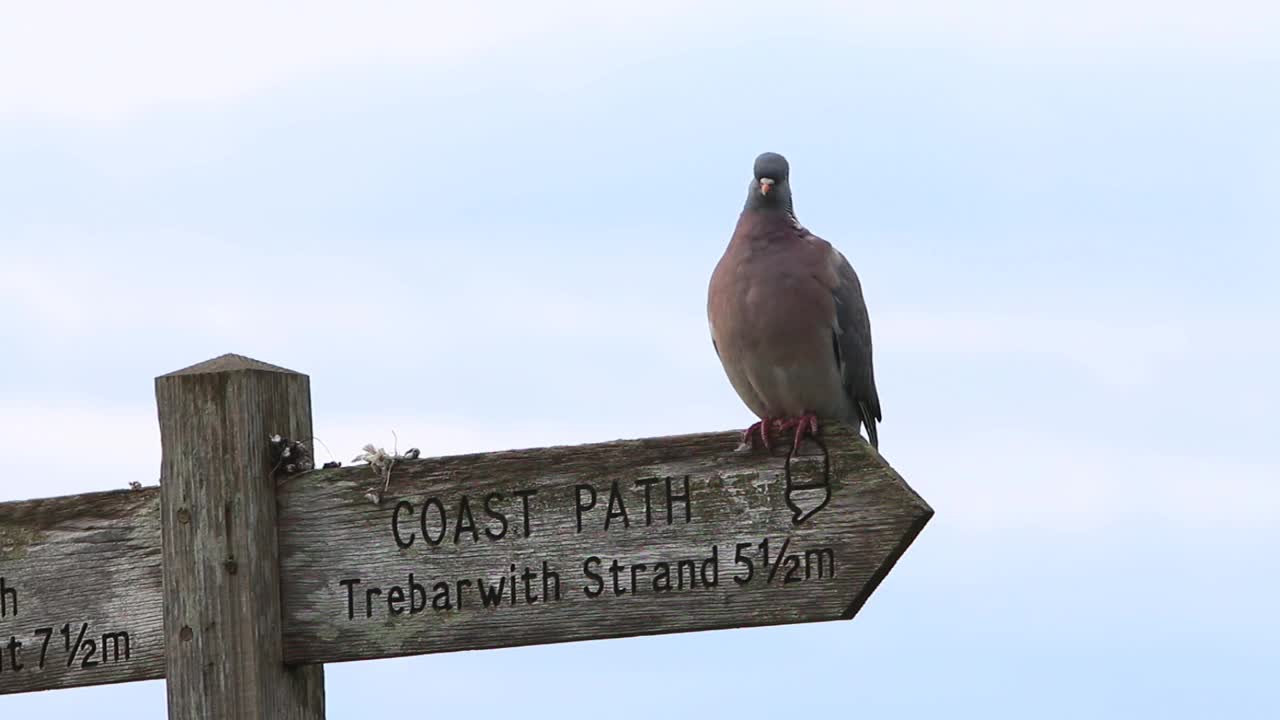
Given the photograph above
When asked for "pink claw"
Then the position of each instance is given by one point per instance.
(762, 429)
(806, 425)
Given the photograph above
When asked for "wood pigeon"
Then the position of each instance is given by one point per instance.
(788, 320)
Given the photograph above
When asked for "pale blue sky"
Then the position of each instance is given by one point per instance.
(490, 227)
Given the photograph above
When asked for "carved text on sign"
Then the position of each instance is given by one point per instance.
(519, 547)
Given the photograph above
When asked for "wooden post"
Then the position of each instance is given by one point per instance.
(222, 611)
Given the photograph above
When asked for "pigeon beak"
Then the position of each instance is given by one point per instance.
(766, 184)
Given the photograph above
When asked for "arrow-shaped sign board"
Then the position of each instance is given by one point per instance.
(80, 595)
(596, 541)
(480, 551)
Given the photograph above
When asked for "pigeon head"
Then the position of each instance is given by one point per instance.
(771, 186)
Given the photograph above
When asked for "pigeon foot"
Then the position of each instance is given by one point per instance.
(805, 425)
(760, 429)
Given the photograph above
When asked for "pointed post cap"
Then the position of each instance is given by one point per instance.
(229, 362)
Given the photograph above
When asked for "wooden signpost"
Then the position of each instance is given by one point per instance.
(80, 596)
(266, 576)
(574, 543)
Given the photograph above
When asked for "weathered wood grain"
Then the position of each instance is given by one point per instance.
(221, 581)
(83, 562)
(331, 535)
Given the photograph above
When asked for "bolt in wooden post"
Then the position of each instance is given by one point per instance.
(222, 621)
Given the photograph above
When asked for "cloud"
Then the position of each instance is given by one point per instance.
(222, 296)
(96, 60)
(68, 300)
(93, 61)
(1008, 478)
(50, 451)
(1124, 350)
(1097, 24)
